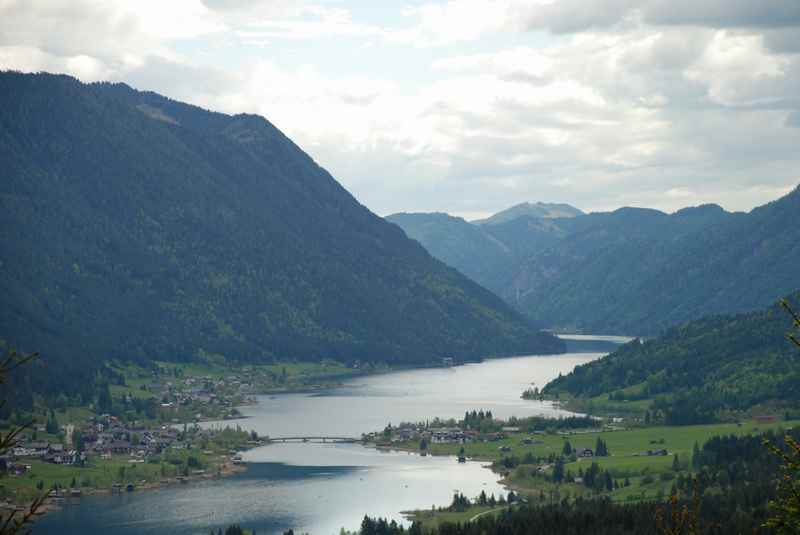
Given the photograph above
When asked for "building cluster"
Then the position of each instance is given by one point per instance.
(219, 395)
(438, 435)
(55, 453)
(102, 436)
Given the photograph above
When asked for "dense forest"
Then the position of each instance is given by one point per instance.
(632, 271)
(137, 227)
(695, 371)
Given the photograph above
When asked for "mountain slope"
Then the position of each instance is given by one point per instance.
(730, 361)
(460, 244)
(135, 226)
(637, 271)
(633, 271)
(489, 254)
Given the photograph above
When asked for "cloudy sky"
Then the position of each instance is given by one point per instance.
(469, 106)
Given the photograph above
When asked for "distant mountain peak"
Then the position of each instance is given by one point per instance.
(536, 209)
(703, 209)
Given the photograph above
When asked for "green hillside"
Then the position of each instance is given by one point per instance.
(137, 227)
(638, 272)
(699, 370)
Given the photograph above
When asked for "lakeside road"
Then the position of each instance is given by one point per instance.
(496, 509)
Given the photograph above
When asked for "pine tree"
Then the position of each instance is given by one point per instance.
(601, 450)
(558, 470)
(52, 426)
(696, 461)
(104, 401)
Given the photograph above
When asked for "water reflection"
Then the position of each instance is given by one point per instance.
(319, 488)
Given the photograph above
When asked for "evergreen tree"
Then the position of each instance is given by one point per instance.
(104, 400)
(558, 470)
(52, 426)
(696, 461)
(786, 508)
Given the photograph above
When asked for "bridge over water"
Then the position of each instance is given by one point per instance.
(320, 439)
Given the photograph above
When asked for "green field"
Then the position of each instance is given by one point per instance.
(100, 474)
(627, 457)
(433, 518)
(622, 444)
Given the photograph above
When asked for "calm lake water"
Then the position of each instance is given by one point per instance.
(319, 488)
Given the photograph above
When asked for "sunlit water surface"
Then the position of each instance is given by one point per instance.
(320, 488)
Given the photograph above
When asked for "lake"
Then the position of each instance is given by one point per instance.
(320, 488)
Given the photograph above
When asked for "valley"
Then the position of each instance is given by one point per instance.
(204, 330)
(359, 405)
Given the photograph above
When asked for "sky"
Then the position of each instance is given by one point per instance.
(468, 106)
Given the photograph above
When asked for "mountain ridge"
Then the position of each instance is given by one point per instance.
(136, 226)
(633, 271)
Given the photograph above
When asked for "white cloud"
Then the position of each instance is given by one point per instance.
(95, 39)
(631, 105)
(307, 22)
(738, 70)
(104, 27)
(454, 21)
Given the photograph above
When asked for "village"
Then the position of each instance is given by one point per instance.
(147, 428)
(148, 437)
(483, 430)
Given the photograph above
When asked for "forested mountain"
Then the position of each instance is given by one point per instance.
(460, 244)
(488, 253)
(700, 368)
(637, 271)
(134, 226)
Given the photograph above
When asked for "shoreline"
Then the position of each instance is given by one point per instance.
(228, 468)
(57, 503)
